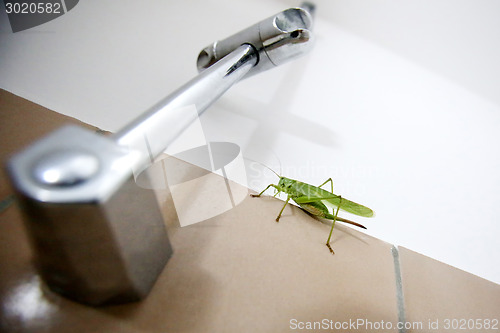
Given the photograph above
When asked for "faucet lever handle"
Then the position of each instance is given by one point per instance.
(277, 40)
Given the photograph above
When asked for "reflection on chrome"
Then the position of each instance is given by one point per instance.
(27, 302)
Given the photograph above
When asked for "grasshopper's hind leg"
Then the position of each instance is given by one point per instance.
(331, 183)
(333, 225)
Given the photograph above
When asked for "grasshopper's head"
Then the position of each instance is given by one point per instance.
(285, 183)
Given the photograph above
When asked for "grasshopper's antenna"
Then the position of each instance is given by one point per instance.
(265, 166)
(279, 162)
(274, 171)
(271, 169)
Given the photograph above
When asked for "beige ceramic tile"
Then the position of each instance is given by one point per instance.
(445, 299)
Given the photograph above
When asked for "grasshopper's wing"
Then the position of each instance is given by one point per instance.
(313, 193)
(349, 206)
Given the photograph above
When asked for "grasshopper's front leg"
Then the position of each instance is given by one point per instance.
(278, 189)
(282, 209)
(268, 186)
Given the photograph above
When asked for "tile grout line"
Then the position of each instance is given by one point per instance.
(6, 202)
(399, 288)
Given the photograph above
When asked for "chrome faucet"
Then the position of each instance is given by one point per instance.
(98, 238)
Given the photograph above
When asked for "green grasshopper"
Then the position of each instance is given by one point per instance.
(314, 200)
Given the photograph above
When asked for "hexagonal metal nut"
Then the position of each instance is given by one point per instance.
(100, 239)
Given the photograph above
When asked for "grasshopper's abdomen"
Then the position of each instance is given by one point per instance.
(315, 208)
